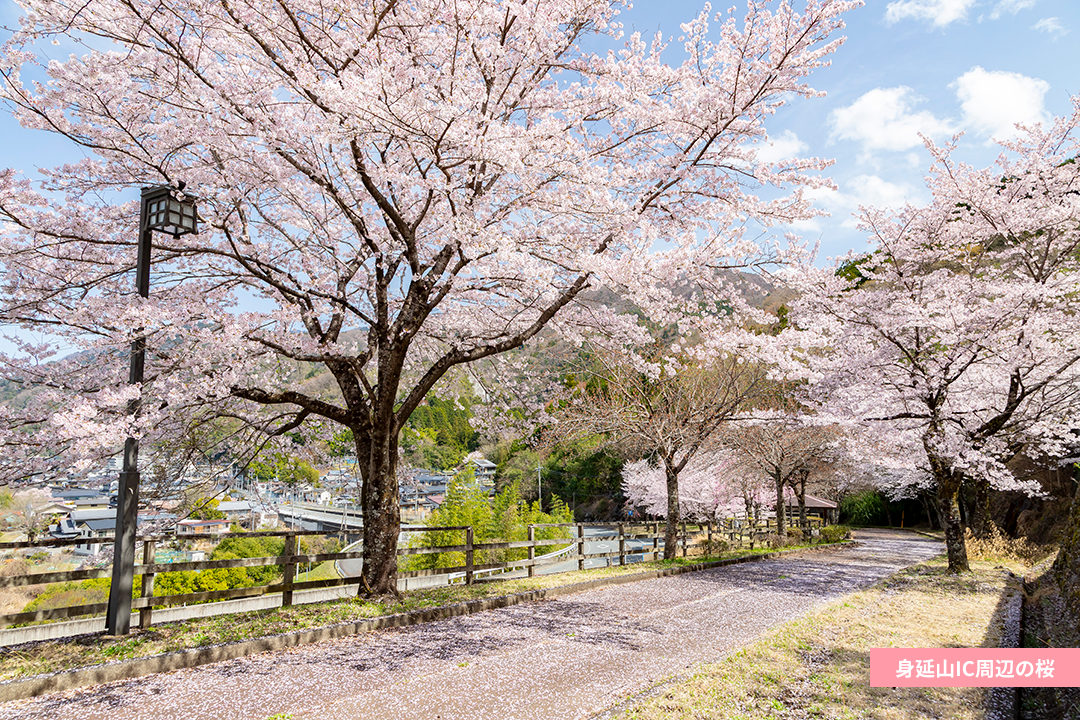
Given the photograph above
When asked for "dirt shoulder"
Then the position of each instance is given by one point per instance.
(818, 666)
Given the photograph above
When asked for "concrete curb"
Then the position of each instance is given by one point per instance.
(1002, 703)
(69, 629)
(21, 688)
(923, 533)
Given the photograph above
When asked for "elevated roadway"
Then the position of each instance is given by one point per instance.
(309, 516)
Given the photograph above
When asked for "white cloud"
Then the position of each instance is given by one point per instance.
(807, 227)
(884, 119)
(784, 147)
(866, 191)
(1052, 26)
(939, 12)
(1010, 6)
(873, 190)
(994, 101)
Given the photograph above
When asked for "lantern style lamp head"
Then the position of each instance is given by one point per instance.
(170, 210)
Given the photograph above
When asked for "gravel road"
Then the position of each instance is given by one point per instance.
(566, 658)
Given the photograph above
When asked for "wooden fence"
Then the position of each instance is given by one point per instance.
(734, 533)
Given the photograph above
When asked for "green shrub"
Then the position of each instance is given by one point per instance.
(251, 547)
(504, 517)
(96, 590)
(835, 533)
(864, 508)
(718, 546)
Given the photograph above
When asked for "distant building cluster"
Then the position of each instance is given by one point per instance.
(84, 507)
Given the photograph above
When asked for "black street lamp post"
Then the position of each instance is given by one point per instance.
(167, 210)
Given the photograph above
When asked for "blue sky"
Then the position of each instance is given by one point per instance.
(908, 66)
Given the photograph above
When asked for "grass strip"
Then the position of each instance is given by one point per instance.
(323, 571)
(819, 665)
(48, 656)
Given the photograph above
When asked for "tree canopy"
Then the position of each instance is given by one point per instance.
(958, 336)
(390, 192)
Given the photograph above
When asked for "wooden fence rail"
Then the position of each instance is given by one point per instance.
(735, 533)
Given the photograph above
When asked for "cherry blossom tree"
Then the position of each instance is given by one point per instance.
(960, 328)
(707, 486)
(667, 409)
(786, 448)
(388, 192)
(29, 511)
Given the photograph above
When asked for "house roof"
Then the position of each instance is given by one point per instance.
(105, 518)
(74, 493)
(87, 515)
(92, 501)
(234, 506)
(811, 502)
(100, 525)
(431, 478)
(767, 499)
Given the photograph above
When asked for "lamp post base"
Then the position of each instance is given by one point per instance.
(118, 618)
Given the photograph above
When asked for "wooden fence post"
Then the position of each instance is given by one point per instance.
(469, 555)
(147, 584)
(655, 541)
(289, 572)
(580, 546)
(622, 545)
(684, 539)
(709, 548)
(532, 551)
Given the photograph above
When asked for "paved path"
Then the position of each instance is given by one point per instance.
(566, 658)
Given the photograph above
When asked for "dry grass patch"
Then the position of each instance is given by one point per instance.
(819, 666)
(998, 546)
(14, 599)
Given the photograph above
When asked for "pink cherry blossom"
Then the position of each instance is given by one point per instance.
(389, 192)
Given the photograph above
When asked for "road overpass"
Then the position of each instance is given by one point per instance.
(324, 518)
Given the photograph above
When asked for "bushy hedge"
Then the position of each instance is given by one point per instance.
(863, 508)
(835, 533)
(504, 517)
(88, 592)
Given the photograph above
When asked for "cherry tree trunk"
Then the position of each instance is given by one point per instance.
(671, 530)
(382, 512)
(780, 530)
(980, 510)
(800, 492)
(948, 508)
(947, 481)
(929, 509)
